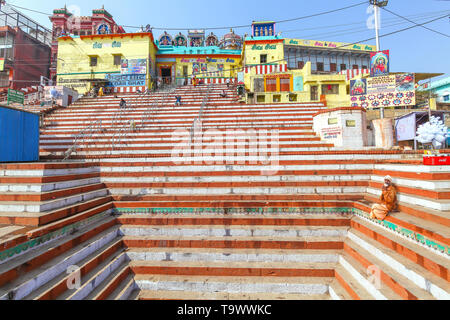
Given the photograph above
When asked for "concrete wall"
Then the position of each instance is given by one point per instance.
(344, 127)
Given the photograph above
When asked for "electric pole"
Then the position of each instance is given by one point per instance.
(376, 4)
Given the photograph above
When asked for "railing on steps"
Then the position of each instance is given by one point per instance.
(198, 120)
(85, 134)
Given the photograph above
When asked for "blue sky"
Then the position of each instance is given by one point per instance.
(415, 50)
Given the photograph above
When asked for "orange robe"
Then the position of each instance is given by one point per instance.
(388, 203)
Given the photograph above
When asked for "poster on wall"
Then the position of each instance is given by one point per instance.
(195, 68)
(358, 87)
(134, 66)
(383, 91)
(204, 67)
(379, 63)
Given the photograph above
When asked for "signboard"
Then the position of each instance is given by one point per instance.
(134, 66)
(405, 128)
(125, 80)
(383, 91)
(2, 64)
(379, 63)
(329, 44)
(15, 96)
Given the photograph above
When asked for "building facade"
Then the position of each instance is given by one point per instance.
(25, 50)
(123, 62)
(65, 23)
(180, 58)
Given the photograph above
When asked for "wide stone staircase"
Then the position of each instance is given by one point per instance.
(139, 210)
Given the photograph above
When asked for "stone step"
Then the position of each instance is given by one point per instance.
(352, 287)
(258, 188)
(359, 274)
(437, 194)
(385, 275)
(236, 177)
(49, 180)
(125, 290)
(50, 205)
(94, 281)
(316, 243)
(203, 296)
(233, 231)
(436, 204)
(420, 184)
(59, 284)
(435, 216)
(237, 285)
(26, 273)
(425, 268)
(422, 226)
(46, 217)
(111, 283)
(47, 190)
(206, 255)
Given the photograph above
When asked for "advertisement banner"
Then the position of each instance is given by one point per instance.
(134, 66)
(383, 91)
(379, 63)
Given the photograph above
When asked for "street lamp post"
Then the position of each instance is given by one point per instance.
(376, 5)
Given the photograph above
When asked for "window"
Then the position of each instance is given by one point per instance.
(319, 66)
(343, 67)
(117, 59)
(93, 61)
(271, 85)
(330, 89)
(447, 97)
(263, 58)
(285, 84)
(333, 67)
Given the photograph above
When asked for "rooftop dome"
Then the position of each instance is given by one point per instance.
(231, 41)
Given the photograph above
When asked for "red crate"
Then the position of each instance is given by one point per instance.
(436, 161)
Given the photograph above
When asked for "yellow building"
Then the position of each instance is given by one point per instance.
(299, 85)
(123, 62)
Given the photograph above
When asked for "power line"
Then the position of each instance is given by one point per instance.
(432, 30)
(229, 27)
(420, 15)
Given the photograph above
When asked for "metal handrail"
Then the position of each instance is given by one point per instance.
(200, 113)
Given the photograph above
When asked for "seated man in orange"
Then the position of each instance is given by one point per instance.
(388, 201)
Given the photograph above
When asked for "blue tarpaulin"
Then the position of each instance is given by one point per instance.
(19, 135)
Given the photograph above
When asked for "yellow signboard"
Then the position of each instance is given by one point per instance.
(2, 64)
(329, 45)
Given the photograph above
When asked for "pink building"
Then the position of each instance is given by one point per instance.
(64, 23)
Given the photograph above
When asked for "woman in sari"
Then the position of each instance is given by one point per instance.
(388, 200)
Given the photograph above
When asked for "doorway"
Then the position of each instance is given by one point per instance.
(314, 93)
(166, 74)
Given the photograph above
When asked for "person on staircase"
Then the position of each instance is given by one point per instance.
(178, 101)
(223, 94)
(388, 200)
(122, 104)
